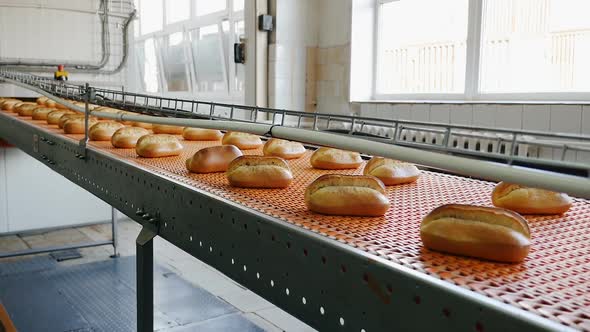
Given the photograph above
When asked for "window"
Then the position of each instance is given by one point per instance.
(482, 49)
(151, 16)
(207, 44)
(177, 10)
(205, 7)
(148, 66)
(186, 48)
(174, 62)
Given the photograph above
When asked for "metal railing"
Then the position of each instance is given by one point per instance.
(505, 142)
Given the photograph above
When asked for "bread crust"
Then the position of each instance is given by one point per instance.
(391, 172)
(283, 149)
(347, 195)
(158, 145)
(103, 131)
(27, 109)
(8, 104)
(127, 137)
(41, 113)
(68, 116)
(213, 159)
(53, 117)
(530, 200)
(42, 100)
(198, 134)
(143, 125)
(476, 231)
(244, 141)
(329, 158)
(77, 125)
(166, 129)
(259, 172)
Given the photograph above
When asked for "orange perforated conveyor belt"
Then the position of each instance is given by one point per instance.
(553, 282)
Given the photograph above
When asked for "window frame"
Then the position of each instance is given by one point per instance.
(186, 26)
(472, 70)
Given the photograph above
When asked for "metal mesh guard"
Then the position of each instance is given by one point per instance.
(553, 282)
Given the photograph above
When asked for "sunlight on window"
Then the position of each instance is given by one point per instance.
(422, 46)
(177, 10)
(151, 16)
(205, 7)
(535, 46)
(150, 67)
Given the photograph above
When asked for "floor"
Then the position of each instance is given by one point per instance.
(247, 304)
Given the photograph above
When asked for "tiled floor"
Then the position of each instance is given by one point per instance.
(259, 311)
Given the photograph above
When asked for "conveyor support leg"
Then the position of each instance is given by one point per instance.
(145, 280)
(114, 228)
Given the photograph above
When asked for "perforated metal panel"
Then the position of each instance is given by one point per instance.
(355, 273)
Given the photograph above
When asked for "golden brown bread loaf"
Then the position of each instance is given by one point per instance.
(328, 158)
(243, 141)
(42, 100)
(8, 104)
(51, 103)
(68, 116)
(166, 129)
(213, 159)
(347, 195)
(53, 117)
(76, 125)
(60, 106)
(390, 171)
(27, 109)
(16, 107)
(127, 137)
(489, 233)
(530, 200)
(158, 145)
(283, 148)
(198, 134)
(103, 131)
(41, 113)
(259, 172)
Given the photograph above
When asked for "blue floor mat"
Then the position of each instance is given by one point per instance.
(43, 296)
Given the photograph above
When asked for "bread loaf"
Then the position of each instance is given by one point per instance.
(41, 113)
(53, 117)
(259, 172)
(328, 158)
(27, 109)
(347, 195)
(166, 129)
(103, 131)
(198, 134)
(8, 104)
(77, 125)
(42, 100)
(213, 159)
(51, 103)
(530, 200)
(283, 149)
(68, 116)
(127, 137)
(390, 171)
(243, 141)
(477, 231)
(158, 145)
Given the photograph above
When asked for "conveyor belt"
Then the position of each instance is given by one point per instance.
(553, 282)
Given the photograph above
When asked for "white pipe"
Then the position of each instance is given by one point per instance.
(574, 185)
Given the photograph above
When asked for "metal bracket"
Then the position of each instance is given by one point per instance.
(89, 95)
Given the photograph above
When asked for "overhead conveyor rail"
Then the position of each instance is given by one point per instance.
(334, 273)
